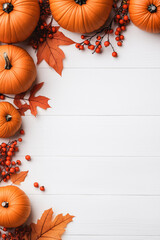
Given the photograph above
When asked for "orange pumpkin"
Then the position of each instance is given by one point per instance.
(17, 70)
(145, 14)
(82, 16)
(10, 120)
(18, 19)
(14, 207)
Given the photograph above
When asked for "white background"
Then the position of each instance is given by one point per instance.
(97, 150)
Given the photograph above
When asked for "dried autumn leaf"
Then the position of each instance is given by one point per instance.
(51, 53)
(17, 178)
(49, 229)
(39, 101)
(33, 101)
(22, 108)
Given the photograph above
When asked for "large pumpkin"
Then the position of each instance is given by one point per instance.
(18, 19)
(14, 207)
(17, 70)
(145, 14)
(82, 16)
(10, 120)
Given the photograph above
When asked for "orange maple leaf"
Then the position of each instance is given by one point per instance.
(39, 101)
(33, 101)
(17, 178)
(51, 53)
(22, 108)
(49, 229)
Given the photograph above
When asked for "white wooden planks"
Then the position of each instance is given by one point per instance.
(92, 136)
(94, 175)
(104, 215)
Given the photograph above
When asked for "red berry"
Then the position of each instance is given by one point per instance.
(82, 36)
(98, 37)
(97, 43)
(4, 229)
(119, 44)
(4, 236)
(121, 37)
(123, 28)
(36, 185)
(28, 157)
(125, 17)
(22, 132)
(77, 45)
(117, 38)
(12, 170)
(118, 16)
(50, 36)
(86, 42)
(19, 139)
(17, 169)
(42, 188)
(111, 31)
(106, 43)
(13, 163)
(41, 39)
(100, 46)
(98, 50)
(91, 47)
(114, 54)
(121, 21)
(118, 29)
(2, 97)
(125, 6)
(18, 162)
(8, 163)
(41, 27)
(81, 47)
(116, 33)
(9, 153)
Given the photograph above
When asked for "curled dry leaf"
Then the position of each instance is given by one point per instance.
(49, 229)
(51, 53)
(17, 178)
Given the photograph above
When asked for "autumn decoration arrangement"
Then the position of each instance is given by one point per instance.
(32, 21)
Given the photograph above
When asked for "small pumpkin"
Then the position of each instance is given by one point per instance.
(17, 70)
(14, 207)
(82, 16)
(145, 14)
(18, 19)
(10, 120)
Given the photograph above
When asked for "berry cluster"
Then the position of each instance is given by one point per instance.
(120, 19)
(7, 166)
(15, 234)
(43, 30)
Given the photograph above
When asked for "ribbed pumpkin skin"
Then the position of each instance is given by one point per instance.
(19, 207)
(83, 18)
(22, 74)
(8, 129)
(18, 25)
(142, 18)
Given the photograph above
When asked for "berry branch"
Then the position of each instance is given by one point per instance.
(120, 18)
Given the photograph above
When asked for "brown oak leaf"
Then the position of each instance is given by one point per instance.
(17, 178)
(49, 229)
(33, 102)
(51, 53)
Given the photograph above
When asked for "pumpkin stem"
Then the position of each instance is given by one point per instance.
(7, 7)
(7, 62)
(152, 8)
(5, 204)
(8, 118)
(80, 2)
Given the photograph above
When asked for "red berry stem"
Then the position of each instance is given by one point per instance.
(120, 18)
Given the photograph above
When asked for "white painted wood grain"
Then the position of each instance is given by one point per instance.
(94, 175)
(104, 215)
(92, 237)
(102, 92)
(92, 136)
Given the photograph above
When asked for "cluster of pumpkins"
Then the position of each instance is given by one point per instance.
(18, 20)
